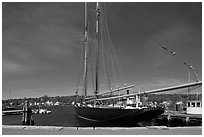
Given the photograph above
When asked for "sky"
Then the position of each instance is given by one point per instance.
(41, 44)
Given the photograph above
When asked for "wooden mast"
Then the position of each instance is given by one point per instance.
(97, 50)
(85, 52)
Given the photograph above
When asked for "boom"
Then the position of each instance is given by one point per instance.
(154, 91)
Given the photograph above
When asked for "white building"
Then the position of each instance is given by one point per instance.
(57, 103)
(194, 107)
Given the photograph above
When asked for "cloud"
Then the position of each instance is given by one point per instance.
(39, 36)
(10, 67)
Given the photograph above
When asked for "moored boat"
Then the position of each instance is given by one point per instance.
(98, 107)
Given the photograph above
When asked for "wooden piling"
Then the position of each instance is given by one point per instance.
(27, 115)
(187, 121)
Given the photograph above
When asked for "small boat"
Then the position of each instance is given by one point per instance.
(41, 111)
(11, 110)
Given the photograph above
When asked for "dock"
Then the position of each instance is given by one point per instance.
(50, 130)
(175, 117)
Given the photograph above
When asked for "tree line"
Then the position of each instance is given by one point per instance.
(67, 100)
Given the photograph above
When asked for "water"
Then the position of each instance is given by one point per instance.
(66, 116)
(60, 116)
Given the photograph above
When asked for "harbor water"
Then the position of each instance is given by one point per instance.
(65, 116)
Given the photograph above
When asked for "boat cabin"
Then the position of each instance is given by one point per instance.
(194, 107)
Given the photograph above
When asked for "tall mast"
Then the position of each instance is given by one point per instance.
(97, 47)
(85, 51)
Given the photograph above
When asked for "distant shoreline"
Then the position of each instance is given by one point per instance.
(54, 130)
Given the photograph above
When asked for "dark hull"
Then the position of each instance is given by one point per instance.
(117, 114)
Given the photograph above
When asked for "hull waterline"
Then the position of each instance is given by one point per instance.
(117, 114)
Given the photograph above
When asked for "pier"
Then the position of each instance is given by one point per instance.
(49, 130)
(173, 118)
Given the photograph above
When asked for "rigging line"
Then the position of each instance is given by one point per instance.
(104, 60)
(111, 68)
(109, 43)
(90, 64)
(106, 45)
(143, 30)
(114, 57)
(108, 55)
(148, 35)
(79, 81)
(193, 69)
(139, 27)
(102, 52)
(80, 62)
(91, 74)
(114, 62)
(195, 87)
